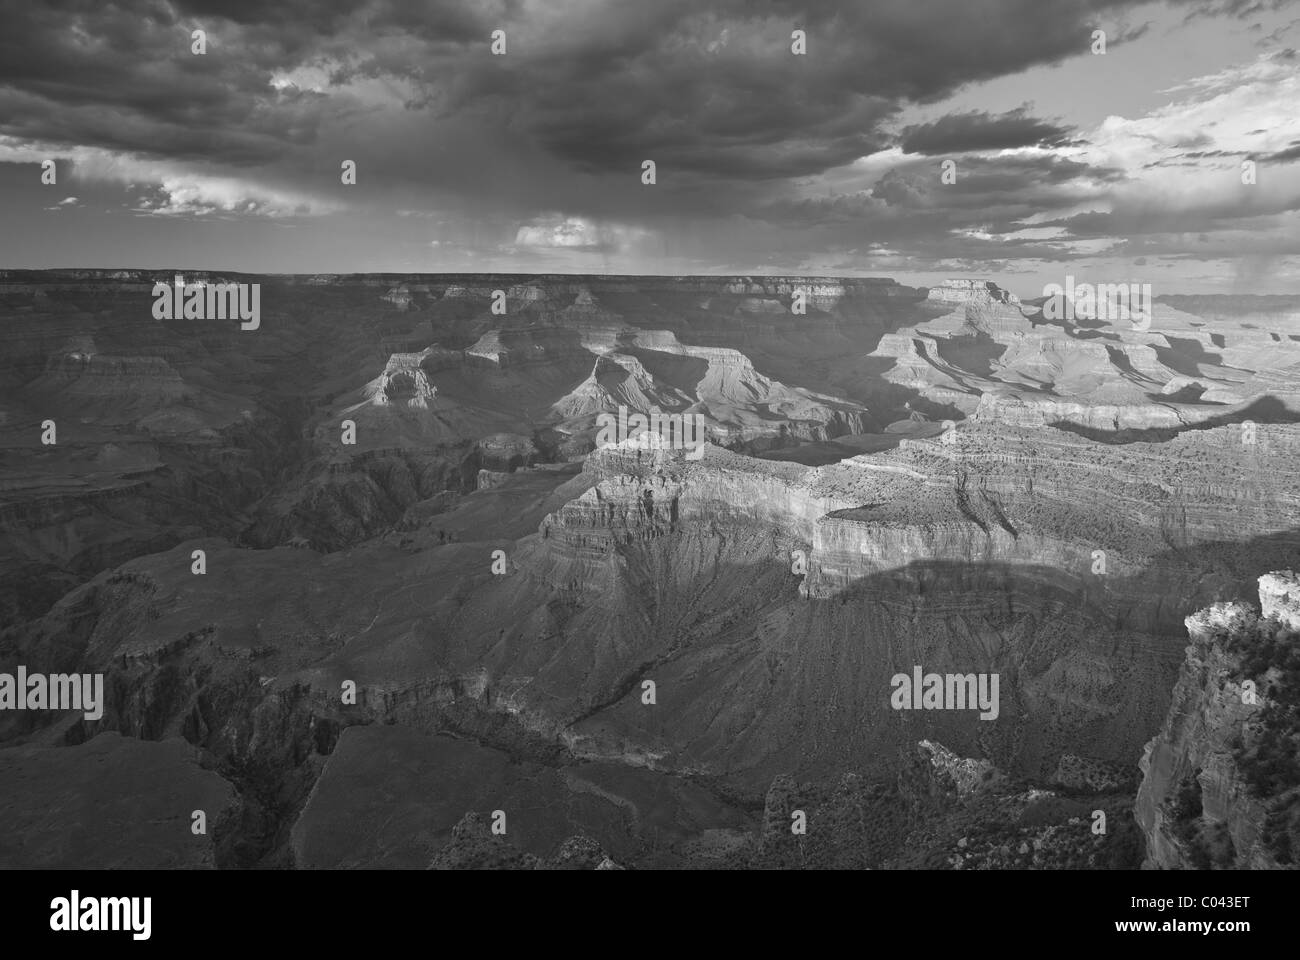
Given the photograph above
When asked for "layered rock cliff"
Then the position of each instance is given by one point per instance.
(1221, 783)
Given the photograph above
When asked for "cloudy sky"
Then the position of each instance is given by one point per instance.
(1120, 166)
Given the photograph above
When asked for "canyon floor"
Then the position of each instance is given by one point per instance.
(370, 585)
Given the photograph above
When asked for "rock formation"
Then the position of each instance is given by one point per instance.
(1221, 785)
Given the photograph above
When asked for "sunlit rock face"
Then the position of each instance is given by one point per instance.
(970, 291)
(1279, 598)
(404, 382)
(991, 357)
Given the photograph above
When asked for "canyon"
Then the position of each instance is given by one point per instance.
(458, 614)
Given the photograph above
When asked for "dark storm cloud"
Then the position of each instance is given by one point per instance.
(122, 76)
(1005, 189)
(750, 109)
(585, 94)
(1227, 213)
(922, 217)
(736, 123)
(1284, 156)
(443, 20)
(317, 16)
(623, 82)
(963, 132)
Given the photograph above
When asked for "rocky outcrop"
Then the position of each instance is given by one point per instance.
(403, 381)
(970, 291)
(1279, 599)
(1221, 786)
(1140, 420)
(957, 776)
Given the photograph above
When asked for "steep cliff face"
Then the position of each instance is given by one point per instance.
(1101, 419)
(403, 381)
(970, 291)
(984, 494)
(1221, 785)
(987, 554)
